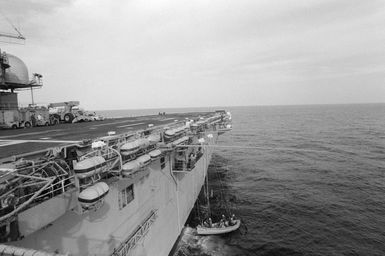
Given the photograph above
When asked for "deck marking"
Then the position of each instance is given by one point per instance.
(29, 133)
(145, 119)
(167, 119)
(121, 122)
(129, 125)
(10, 142)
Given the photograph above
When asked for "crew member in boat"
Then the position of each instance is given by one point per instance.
(227, 223)
(210, 223)
(222, 222)
(232, 220)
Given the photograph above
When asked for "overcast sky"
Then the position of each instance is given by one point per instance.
(153, 53)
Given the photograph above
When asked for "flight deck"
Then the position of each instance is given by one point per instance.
(22, 141)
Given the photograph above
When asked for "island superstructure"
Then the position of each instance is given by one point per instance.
(118, 187)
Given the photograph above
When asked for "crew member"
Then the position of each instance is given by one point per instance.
(210, 223)
(232, 220)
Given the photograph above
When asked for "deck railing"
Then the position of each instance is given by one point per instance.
(126, 247)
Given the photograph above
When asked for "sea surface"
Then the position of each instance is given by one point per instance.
(305, 180)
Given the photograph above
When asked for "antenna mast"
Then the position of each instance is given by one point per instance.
(18, 35)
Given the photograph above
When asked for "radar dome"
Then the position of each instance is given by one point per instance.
(17, 73)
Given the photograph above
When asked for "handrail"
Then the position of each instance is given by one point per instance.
(130, 243)
(18, 209)
(62, 188)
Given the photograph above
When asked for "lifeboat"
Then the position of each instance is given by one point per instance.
(180, 141)
(130, 148)
(170, 133)
(175, 132)
(155, 154)
(143, 143)
(216, 229)
(154, 138)
(134, 146)
(183, 128)
(89, 166)
(93, 194)
(144, 160)
(130, 167)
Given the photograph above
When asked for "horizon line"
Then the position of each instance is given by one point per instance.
(236, 106)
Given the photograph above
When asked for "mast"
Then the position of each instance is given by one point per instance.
(18, 35)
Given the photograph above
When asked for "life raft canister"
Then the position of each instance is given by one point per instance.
(93, 194)
(89, 166)
(134, 146)
(180, 141)
(143, 143)
(144, 160)
(130, 167)
(155, 153)
(169, 133)
(130, 148)
(153, 138)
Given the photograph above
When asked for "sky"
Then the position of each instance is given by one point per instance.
(128, 54)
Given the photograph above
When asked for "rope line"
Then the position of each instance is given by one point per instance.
(257, 147)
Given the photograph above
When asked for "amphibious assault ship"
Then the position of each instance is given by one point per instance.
(121, 186)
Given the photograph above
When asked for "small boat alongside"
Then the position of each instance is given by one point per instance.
(225, 224)
(218, 229)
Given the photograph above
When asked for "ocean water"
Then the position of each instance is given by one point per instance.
(305, 180)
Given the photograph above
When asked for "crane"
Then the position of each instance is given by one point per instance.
(18, 35)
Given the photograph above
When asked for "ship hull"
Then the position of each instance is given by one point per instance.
(166, 196)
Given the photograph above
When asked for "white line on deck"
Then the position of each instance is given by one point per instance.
(125, 121)
(29, 133)
(8, 143)
(143, 119)
(167, 119)
(129, 125)
(11, 142)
